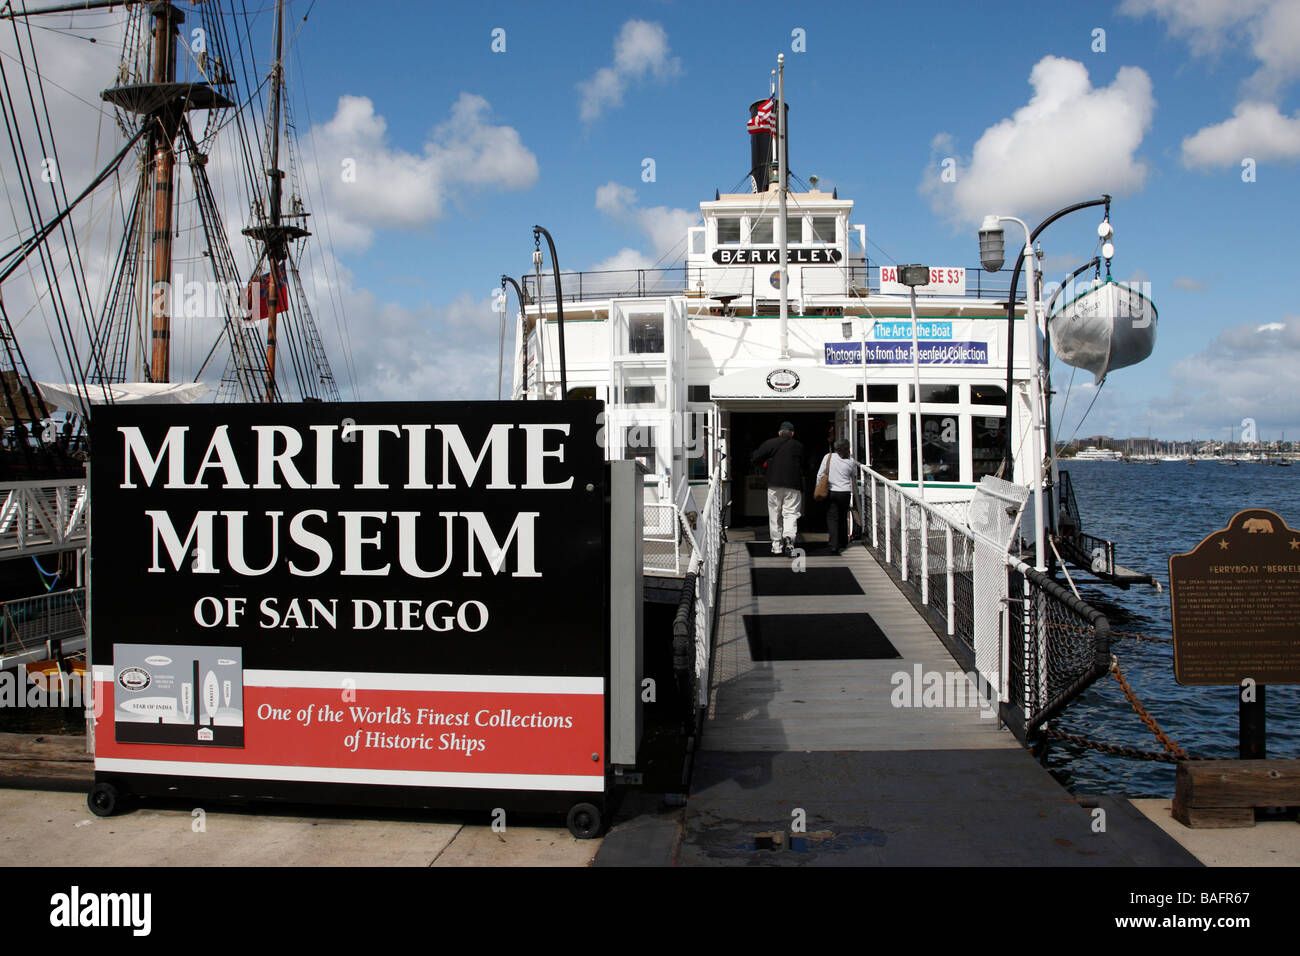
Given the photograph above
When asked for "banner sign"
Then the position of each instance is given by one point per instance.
(1235, 600)
(899, 331)
(351, 594)
(900, 353)
(944, 280)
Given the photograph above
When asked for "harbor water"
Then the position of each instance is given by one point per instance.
(1152, 511)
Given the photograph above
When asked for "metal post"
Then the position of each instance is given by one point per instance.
(916, 378)
(948, 556)
(559, 308)
(925, 558)
(875, 535)
(782, 172)
(902, 533)
(889, 551)
(1251, 743)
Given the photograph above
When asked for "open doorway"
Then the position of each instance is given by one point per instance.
(748, 430)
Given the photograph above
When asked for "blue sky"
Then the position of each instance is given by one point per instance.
(461, 149)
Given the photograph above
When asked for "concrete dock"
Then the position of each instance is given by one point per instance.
(804, 760)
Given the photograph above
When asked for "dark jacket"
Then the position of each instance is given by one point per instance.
(784, 457)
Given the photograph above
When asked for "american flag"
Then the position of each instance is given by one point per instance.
(762, 121)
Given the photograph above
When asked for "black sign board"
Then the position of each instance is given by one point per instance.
(1236, 604)
(405, 595)
(772, 257)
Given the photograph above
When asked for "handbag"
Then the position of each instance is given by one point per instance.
(823, 490)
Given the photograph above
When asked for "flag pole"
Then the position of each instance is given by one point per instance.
(782, 172)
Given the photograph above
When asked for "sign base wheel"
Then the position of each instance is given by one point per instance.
(584, 821)
(104, 799)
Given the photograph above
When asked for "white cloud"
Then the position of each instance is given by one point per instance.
(1256, 130)
(427, 352)
(1187, 284)
(623, 260)
(665, 227)
(1271, 28)
(1248, 371)
(396, 189)
(640, 52)
(1071, 141)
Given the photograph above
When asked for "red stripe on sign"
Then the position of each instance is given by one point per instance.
(462, 732)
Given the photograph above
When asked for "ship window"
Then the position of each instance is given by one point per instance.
(988, 441)
(823, 229)
(882, 393)
(760, 231)
(939, 394)
(884, 445)
(587, 392)
(729, 231)
(988, 395)
(645, 332)
(638, 395)
(697, 393)
(941, 447)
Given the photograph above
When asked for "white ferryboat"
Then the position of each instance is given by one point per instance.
(1093, 453)
(698, 364)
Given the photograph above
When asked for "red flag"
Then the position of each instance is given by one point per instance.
(260, 308)
(763, 121)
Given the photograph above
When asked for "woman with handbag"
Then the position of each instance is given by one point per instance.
(835, 485)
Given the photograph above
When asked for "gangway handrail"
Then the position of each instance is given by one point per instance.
(703, 572)
(1054, 645)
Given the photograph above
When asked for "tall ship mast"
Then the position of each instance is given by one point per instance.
(176, 311)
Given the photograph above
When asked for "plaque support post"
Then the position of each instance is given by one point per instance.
(1250, 725)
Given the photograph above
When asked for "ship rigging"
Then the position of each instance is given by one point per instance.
(174, 300)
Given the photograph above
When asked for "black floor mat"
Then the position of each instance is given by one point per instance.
(817, 637)
(778, 582)
(811, 549)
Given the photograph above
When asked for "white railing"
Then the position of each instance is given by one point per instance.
(1035, 644)
(666, 552)
(32, 622)
(930, 547)
(37, 517)
(705, 563)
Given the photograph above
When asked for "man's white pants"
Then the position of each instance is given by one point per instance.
(783, 508)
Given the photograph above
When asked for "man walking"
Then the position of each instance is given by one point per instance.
(783, 457)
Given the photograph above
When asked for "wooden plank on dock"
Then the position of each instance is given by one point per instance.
(51, 758)
(1225, 793)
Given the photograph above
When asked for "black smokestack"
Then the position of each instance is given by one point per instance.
(762, 150)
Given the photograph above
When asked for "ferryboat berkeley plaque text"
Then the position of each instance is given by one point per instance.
(1236, 604)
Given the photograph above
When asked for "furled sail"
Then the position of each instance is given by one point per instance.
(71, 396)
(1109, 326)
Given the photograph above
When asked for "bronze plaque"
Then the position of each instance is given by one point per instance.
(1236, 604)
